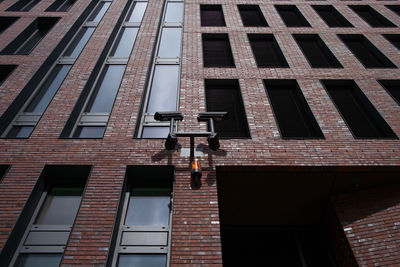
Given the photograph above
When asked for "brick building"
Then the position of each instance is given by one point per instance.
(308, 169)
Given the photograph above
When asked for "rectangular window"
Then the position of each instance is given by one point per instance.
(6, 22)
(331, 16)
(27, 40)
(53, 206)
(224, 95)
(3, 171)
(5, 71)
(266, 51)
(217, 50)
(291, 16)
(393, 88)
(143, 237)
(316, 52)
(252, 16)
(365, 51)
(372, 17)
(212, 15)
(394, 8)
(292, 113)
(61, 5)
(23, 5)
(394, 39)
(45, 88)
(357, 111)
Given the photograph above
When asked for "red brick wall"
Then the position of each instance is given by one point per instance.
(195, 236)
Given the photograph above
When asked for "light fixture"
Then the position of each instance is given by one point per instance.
(195, 170)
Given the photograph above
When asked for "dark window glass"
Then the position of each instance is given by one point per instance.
(3, 171)
(316, 52)
(217, 51)
(6, 22)
(393, 87)
(106, 90)
(5, 71)
(358, 113)
(142, 260)
(99, 12)
(252, 16)
(212, 15)
(155, 132)
(23, 5)
(394, 8)
(291, 16)
(27, 40)
(164, 89)
(60, 207)
(148, 206)
(79, 42)
(365, 51)
(331, 16)
(49, 88)
(35, 260)
(394, 39)
(224, 95)
(293, 115)
(20, 132)
(125, 42)
(61, 5)
(266, 51)
(89, 132)
(371, 16)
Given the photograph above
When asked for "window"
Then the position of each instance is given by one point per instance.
(45, 88)
(393, 88)
(291, 16)
(212, 15)
(316, 52)
(357, 111)
(163, 90)
(224, 95)
(61, 5)
(266, 51)
(3, 171)
(394, 39)
(97, 99)
(252, 16)
(372, 17)
(48, 220)
(394, 8)
(331, 16)
(5, 71)
(27, 40)
(217, 50)
(292, 113)
(144, 232)
(23, 5)
(365, 51)
(6, 22)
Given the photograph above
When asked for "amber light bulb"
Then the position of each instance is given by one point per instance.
(195, 170)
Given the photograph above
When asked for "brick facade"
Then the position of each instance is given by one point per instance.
(370, 219)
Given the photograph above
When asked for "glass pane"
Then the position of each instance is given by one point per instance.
(90, 132)
(170, 44)
(99, 12)
(164, 90)
(60, 207)
(35, 260)
(102, 99)
(32, 41)
(137, 260)
(174, 12)
(49, 88)
(155, 132)
(79, 42)
(20, 132)
(123, 46)
(138, 12)
(148, 210)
